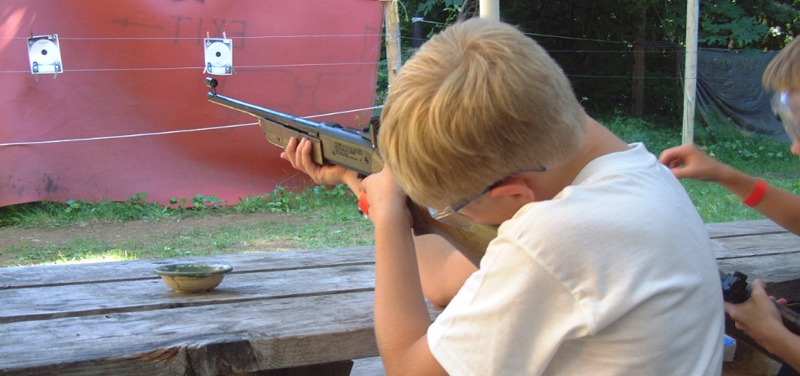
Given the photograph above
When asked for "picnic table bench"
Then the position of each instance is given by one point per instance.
(278, 313)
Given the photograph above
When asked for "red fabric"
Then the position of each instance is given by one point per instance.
(136, 66)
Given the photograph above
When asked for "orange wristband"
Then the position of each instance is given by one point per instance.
(363, 203)
(757, 194)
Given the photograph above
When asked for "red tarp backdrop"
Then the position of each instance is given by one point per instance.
(136, 67)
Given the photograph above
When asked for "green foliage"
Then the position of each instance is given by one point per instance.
(426, 7)
(198, 202)
(654, 136)
(281, 200)
(72, 251)
(53, 214)
(593, 40)
(727, 25)
(317, 217)
(746, 151)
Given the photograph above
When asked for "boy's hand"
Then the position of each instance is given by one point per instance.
(757, 317)
(299, 155)
(387, 201)
(687, 161)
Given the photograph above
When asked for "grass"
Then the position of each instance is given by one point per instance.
(52, 214)
(317, 218)
(321, 217)
(756, 155)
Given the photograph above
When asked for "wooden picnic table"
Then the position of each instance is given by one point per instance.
(760, 249)
(278, 313)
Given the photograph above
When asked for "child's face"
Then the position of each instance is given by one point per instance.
(787, 106)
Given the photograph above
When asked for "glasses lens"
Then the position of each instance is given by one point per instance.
(783, 104)
(452, 218)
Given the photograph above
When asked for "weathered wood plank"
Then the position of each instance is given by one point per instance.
(47, 275)
(760, 249)
(774, 268)
(756, 245)
(727, 229)
(40, 303)
(277, 310)
(207, 340)
(368, 367)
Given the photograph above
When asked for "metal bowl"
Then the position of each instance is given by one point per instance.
(193, 277)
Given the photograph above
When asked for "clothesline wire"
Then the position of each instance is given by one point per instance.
(237, 67)
(245, 67)
(60, 38)
(148, 134)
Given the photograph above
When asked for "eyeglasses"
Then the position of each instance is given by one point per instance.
(789, 111)
(450, 215)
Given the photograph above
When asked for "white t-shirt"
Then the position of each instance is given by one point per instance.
(613, 276)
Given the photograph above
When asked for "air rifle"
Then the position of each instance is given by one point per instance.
(356, 150)
(736, 289)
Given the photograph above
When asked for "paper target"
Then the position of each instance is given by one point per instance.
(44, 54)
(219, 56)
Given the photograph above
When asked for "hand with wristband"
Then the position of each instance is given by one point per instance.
(689, 162)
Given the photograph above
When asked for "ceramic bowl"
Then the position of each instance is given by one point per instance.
(193, 277)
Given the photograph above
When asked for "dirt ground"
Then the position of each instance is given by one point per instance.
(144, 231)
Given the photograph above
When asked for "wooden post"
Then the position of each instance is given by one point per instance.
(640, 34)
(690, 70)
(490, 9)
(394, 60)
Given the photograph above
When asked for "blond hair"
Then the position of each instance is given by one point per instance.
(478, 102)
(783, 72)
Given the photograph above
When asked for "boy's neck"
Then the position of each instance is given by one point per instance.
(598, 141)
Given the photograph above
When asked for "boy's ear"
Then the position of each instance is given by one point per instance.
(514, 186)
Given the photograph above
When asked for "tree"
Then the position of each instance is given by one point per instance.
(759, 24)
(621, 55)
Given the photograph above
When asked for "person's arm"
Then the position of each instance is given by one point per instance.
(401, 314)
(779, 205)
(759, 319)
(443, 268)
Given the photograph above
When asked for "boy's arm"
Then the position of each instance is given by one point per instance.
(779, 205)
(688, 161)
(785, 345)
(401, 314)
(443, 268)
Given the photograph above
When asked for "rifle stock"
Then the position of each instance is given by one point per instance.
(356, 150)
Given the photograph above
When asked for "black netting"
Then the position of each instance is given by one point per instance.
(729, 84)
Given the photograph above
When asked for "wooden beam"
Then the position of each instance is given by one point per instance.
(394, 59)
(490, 9)
(690, 70)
